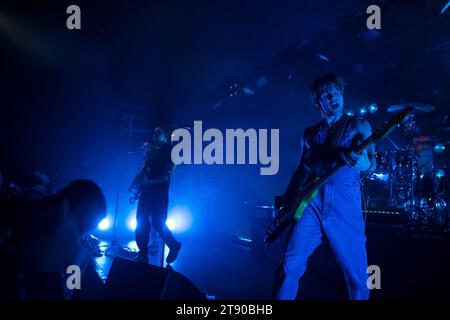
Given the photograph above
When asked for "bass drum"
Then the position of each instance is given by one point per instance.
(404, 164)
(384, 167)
(379, 183)
(378, 194)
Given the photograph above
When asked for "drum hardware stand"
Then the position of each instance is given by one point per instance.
(414, 212)
(114, 249)
(410, 186)
(393, 143)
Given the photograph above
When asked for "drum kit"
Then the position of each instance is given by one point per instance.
(413, 178)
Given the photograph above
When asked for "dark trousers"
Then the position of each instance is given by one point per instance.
(153, 202)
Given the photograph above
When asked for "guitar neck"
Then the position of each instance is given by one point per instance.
(319, 182)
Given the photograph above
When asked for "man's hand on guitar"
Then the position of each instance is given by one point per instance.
(133, 189)
(355, 160)
(351, 159)
(160, 179)
(279, 202)
(359, 161)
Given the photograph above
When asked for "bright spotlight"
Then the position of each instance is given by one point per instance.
(103, 245)
(381, 176)
(439, 148)
(132, 245)
(179, 219)
(105, 224)
(132, 223)
(440, 173)
(131, 220)
(171, 224)
(373, 107)
(363, 111)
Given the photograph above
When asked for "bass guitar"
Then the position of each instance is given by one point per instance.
(292, 210)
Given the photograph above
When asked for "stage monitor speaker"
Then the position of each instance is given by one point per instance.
(131, 280)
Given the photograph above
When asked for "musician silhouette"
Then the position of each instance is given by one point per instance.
(152, 184)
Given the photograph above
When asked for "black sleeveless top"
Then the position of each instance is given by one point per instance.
(159, 162)
(322, 144)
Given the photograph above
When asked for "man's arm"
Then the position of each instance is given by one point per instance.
(366, 160)
(137, 180)
(160, 179)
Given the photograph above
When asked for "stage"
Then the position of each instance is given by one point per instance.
(413, 266)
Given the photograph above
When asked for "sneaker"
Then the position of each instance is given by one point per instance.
(173, 253)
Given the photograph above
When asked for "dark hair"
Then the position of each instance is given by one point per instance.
(87, 203)
(30, 180)
(162, 129)
(324, 80)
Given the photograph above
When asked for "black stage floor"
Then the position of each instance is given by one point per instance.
(413, 266)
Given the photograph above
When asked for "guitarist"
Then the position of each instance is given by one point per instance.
(335, 212)
(152, 185)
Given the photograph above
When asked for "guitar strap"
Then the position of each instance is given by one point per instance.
(333, 140)
(283, 217)
(339, 130)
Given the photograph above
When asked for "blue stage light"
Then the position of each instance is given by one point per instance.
(323, 58)
(179, 219)
(131, 222)
(105, 224)
(132, 245)
(381, 176)
(445, 7)
(363, 111)
(440, 173)
(373, 107)
(103, 245)
(171, 224)
(440, 147)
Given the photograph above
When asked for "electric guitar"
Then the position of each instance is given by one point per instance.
(293, 211)
(135, 188)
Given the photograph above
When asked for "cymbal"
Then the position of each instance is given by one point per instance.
(264, 207)
(422, 139)
(417, 106)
